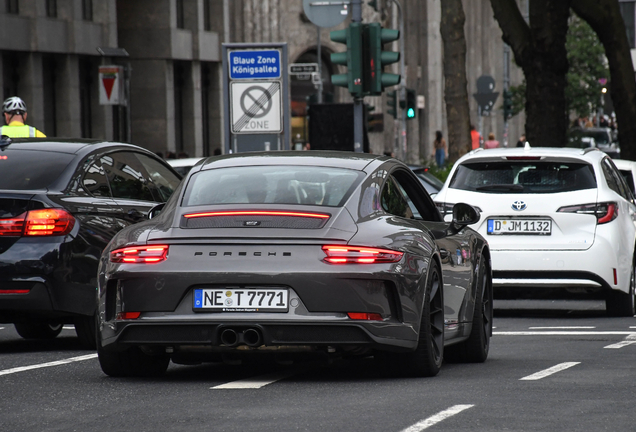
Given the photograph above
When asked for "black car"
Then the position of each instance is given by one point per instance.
(282, 252)
(61, 202)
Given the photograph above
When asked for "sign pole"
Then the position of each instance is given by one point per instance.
(358, 132)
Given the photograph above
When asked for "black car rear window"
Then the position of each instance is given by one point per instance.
(28, 170)
(523, 177)
(286, 184)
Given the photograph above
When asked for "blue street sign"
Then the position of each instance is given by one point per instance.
(257, 64)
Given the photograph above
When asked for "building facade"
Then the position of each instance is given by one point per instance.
(49, 58)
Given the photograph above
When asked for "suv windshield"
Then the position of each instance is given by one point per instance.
(30, 170)
(272, 185)
(523, 177)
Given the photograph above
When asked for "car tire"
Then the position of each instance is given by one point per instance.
(475, 348)
(132, 362)
(426, 360)
(85, 327)
(620, 304)
(38, 330)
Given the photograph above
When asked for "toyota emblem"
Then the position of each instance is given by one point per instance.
(519, 205)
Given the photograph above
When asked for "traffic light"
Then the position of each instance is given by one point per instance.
(507, 105)
(411, 104)
(352, 58)
(391, 102)
(375, 59)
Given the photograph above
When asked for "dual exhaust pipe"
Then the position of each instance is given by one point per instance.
(251, 337)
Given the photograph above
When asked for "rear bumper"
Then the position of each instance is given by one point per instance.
(184, 336)
(597, 267)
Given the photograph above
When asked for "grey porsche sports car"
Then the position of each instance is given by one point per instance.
(287, 252)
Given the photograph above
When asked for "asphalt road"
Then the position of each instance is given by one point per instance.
(553, 366)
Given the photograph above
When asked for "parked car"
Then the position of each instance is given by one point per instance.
(61, 201)
(333, 252)
(598, 137)
(628, 171)
(431, 183)
(182, 166)
(554, 218)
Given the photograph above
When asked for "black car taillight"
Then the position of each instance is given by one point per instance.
(604, 212)
(41, 223)
(360, 255)
(139, 254)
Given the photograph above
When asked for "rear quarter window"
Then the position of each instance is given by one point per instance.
(523, 177)
(29, 170)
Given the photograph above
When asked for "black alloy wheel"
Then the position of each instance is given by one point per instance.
(475, 348)
(426, 360)
(38, 329)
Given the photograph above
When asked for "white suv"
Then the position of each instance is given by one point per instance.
(554, 218)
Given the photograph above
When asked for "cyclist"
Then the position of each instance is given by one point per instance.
(15, 115)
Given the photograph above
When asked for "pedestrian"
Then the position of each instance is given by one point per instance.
(522, 140)
(15, 115)
(440, 149)
(475, 137)
(491, 142)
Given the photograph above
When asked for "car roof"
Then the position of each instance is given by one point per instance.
(590, 154)
(184, 162)
(338, 159)
(63, 145)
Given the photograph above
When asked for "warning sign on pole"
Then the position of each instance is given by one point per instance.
(111, 89)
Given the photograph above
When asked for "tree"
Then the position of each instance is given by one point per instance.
(539, 49)
(455, 82)
(605, 18)
(588, 66)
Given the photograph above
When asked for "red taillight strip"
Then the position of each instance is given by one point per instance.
(14, 291)
(365, 316)
(42, 222)
(139, 254)
(12, 227)
(257, 213)
(359, 255)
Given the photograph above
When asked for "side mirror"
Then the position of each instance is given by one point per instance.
(156, 210)
(465, 214)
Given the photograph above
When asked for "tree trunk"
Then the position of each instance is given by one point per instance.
(455, 83)
(539, 49)
(605, 18)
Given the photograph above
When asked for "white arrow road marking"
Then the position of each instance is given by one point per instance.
(443, 415)
(549, 371)
(629, 340)
(43, 365)
(256, 382)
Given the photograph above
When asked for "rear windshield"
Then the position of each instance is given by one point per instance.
(272, 185)
(28, 170)
(523, 177)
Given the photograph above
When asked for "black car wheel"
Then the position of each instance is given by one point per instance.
(38, 330)
(85, 329)
(475, 348)
(132, 362)
(426, 360)
(620, 304)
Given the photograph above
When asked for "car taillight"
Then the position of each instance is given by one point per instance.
(139, 254)
(365, 316)
(360, 255)
(604, 212)
(43, 222)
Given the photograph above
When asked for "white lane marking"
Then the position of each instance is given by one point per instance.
(256, 382)
(443, 415)
(549, 371)
(562, 328)
(629, 340)
(1, 328)
(561, 333)
(68, 327)
(49, 364)
(632, 326)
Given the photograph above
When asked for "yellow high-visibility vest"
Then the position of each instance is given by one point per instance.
(20, 131)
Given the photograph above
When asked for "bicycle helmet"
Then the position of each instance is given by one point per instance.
(14, 105)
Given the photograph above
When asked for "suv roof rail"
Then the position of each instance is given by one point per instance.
(589, 149)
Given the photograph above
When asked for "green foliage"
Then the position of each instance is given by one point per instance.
(588, 64)
(440, 173)
(518, 96)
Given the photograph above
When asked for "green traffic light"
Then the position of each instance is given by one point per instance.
(410, 113)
